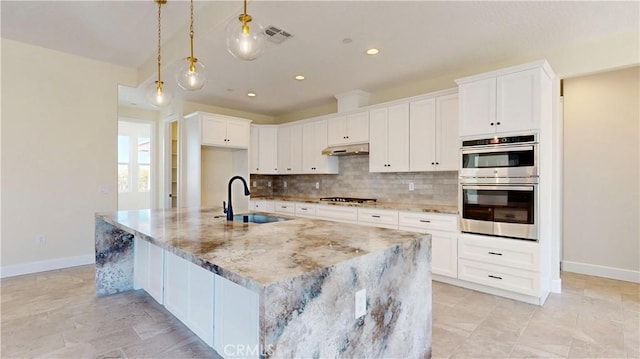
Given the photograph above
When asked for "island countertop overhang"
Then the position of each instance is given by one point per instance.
(256, 255)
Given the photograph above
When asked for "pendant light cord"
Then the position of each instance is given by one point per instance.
(159, 34)
(192, 59)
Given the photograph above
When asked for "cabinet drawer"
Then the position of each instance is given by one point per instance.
(511, 279)
(305, 209)
(337, 213)
(422, 220)
(378, 217)
(285, 207)
(501, 251)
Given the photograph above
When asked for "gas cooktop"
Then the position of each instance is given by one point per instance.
(348, 199)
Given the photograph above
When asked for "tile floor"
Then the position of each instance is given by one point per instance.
(56, 315)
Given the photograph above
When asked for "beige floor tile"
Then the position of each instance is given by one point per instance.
(481, 347)
(160, 343)
(631, 302)
(582, 349)
(601, 308)
(448, 294)
(117, 339)
(523, 351)
(83, 350)
(600, 332)
(547, 336)
(444, 343)
(459, 320)
(112, 354)
(29, 347)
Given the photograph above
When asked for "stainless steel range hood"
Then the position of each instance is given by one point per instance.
(359, 149)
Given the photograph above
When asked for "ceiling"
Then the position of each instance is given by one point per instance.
(417, 39)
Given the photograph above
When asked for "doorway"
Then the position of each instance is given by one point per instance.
(135, 157)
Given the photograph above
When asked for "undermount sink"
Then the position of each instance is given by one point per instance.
(258, 218)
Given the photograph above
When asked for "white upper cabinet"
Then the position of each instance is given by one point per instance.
(389, 139)
(314, 140)
(348, 129)
(503, 101)
(433, 139)
(263, 157)
(224, 131)
(290, 149)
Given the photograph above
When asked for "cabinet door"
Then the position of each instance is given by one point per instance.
(337, 131)
(422, 124)
(398, 127)
(213, 131)
(237, 134)
(284, 150)
(309, 149)
(176, 288)
(444, 253)
(378, 141)
(200, 302)
(155, 286)
(254, 150)
(140, 263)
(295, 149)
(446, 144)
(268, 149)
(518, 101)
(477, 107)
(358, 127)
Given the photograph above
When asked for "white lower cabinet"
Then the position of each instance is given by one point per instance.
(384, 218)
(148, 268)
(189, 295)
(261, 205)
(444, 238)
(343, 214)
(285, 207)
(508, 264)
(236, 320)
(305, 209)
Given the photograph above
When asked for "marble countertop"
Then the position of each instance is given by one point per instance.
(255, 255)
(433, 207)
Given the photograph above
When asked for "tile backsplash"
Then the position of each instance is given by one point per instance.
(354, 180)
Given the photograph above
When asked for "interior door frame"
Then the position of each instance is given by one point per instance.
(154, 155)
(165, 200)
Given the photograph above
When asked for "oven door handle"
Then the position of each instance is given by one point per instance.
(500, 188)
(498, 149)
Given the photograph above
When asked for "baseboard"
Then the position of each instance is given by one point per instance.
(602, 271)
(43, 266)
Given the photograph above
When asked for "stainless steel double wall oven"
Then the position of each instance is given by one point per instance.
(498, 186)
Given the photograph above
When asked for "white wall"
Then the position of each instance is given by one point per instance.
(601, 174)
(59, 125)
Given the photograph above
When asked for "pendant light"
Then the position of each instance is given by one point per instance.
(243, 41)
(191, 75)
(156, 94)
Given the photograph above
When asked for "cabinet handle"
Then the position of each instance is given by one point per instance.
(437, 163)
(494, 277)
(495, 253)
(498, 123)
(257, 169)
(433, 163)
(491, 123)
(304, 209)
(283, 207)
(425, 221)
(375, 216)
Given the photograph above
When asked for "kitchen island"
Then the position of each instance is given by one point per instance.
(322, 289)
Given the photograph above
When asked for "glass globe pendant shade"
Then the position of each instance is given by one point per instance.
(191, 76)
(157, 95)
(245, 40)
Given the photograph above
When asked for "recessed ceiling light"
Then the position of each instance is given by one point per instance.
(299, 77)
(347, 40)
(372, 51)
(251, 94)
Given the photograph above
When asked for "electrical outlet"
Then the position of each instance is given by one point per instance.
(269, 184)
(103, 188)
(411, 186)
(41, 240)
(361, 303)
(254, 183)
(285, 184)
(317, 185)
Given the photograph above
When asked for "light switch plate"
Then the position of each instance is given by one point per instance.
(285, 184)
(317, 185)
(411, 186)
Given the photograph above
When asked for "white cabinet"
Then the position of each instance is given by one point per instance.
(236, 320)
(348, 129)
(261, 205)
(444, 238)
(224, 131)
(189, 295)
(148, 268)
(433, 138)
(502, 263)
(343, 214)
(305, 209)
(389, 139)
(263, 157)
(504, 101)
(285, 207)
(314, 140)
(290, 149)
(384, 218)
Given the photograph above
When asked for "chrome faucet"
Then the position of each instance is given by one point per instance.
(229, 210)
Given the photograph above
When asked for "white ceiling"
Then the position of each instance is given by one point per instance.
(416, 39)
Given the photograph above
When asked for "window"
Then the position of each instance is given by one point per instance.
(134, 157)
